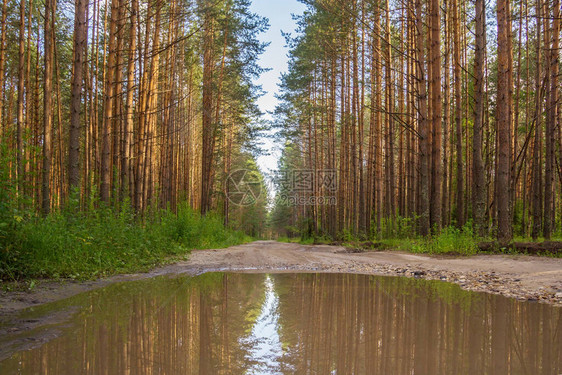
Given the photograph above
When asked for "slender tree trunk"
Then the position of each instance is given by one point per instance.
(391, 187)
(458, 112)
(515, 172)
(38, 129)
(117, 120)
(80, 33)
(537, 167)
(437, 167)
(445, 206)
(551, 117)
(108, 104)
(424, 223)
(377, 66)
(208, 125)
(478, 177)
(503, 127)
(2, 62)
(371, 166)
(142, 113)
(128, 125)
(31, 113)
(20, 113)
(47, 106)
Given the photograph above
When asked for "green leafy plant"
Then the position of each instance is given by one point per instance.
(81, 245)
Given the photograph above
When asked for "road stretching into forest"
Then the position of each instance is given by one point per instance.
(517, 276)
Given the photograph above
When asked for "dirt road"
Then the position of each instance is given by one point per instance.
(522, 277)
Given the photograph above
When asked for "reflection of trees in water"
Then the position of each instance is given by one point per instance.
(355, 324)
(160, 326)
(327, 324)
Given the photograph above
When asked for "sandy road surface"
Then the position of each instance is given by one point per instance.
(522, 277)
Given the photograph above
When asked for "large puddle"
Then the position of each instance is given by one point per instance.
(221, 323)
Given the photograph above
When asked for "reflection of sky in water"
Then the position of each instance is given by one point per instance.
(265, 347)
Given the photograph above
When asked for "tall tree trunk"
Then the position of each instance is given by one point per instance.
(424, 223)
(377, 108)
(515, 172)
(391, 186)
(445, 206)
(31, 115)
(478, 177)
(142, 113)
(47, 106)
(21, 88)
(128, 124)
(80, 33)
(437, 167)
(2, 62)
(458, 120)
(108, 104)
(117, 121)
(551, 117)
(208, 125)
(503, 127)
(371, 166)
(537, 167)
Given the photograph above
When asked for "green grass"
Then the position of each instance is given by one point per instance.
(450, 240)
(102, 242)
(555, 237)
(289, 239)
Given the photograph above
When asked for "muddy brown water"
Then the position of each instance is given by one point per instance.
(235, 323)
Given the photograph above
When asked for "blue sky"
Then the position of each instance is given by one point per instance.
(275, 57)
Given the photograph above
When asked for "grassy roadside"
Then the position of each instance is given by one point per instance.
(103, 242)
(450, 241)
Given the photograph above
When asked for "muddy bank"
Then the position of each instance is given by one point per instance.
(522, 277)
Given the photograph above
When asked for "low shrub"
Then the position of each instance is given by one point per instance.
(105, 241)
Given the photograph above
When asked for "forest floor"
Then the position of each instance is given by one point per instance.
(523, 277)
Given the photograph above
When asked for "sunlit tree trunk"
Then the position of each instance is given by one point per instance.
(208, 124)
(80, 33)
(47, 106)
(110, 71)
(129, 109)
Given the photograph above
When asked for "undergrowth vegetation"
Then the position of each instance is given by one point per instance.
(401, 236)
(93, 239)
(103, 241)
(450, 240)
